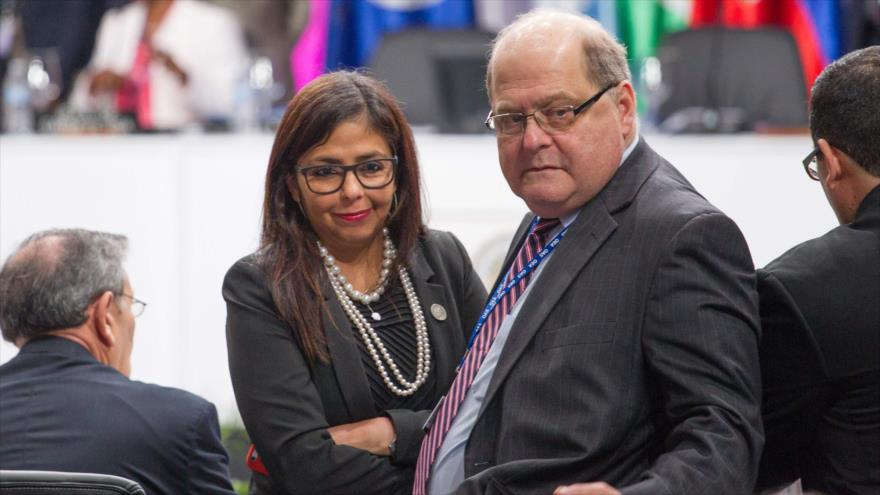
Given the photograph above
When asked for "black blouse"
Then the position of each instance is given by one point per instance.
(398, 333)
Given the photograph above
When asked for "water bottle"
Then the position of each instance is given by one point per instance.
(245, 118)
(18, 118)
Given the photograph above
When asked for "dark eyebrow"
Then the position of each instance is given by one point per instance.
(330, 160)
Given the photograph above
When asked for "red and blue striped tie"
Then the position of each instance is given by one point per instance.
(477, 353)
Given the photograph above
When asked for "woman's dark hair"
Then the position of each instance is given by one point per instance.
(288, 251)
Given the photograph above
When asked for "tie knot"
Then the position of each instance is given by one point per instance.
(544, 226)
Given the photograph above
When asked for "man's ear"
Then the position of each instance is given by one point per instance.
(832, 161)
(102, 317)
(626, 106)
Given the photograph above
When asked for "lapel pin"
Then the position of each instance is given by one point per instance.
(438, 312)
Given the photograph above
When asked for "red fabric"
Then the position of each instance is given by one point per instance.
(791, 15)
(254, 462)
(134, 95)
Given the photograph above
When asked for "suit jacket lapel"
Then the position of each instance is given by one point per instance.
(346, 358)
(443, 354)
(593, 225)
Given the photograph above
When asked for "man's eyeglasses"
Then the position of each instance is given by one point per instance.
(551, 119)
(811, 164)
(137, 306)
(327, 179)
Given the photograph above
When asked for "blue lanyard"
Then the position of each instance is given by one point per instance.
(502, 289)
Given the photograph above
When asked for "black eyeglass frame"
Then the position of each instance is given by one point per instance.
(303, 169)
(575, 110)
(137, 306)
(810, 158)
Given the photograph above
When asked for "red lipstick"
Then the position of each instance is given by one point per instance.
(356, 216)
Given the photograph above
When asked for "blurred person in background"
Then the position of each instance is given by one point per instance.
(820, 303)
(171, 63)
(67, 28)
(67, 401)
(346, 326)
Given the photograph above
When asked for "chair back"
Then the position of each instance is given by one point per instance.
(56, 483)
(720, 79)
(437, 75)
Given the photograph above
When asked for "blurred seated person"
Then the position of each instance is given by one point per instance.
(66, 26)
(67, 401)
(169, 62)
(346, 326)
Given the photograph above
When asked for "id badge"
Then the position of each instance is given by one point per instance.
(433, 415)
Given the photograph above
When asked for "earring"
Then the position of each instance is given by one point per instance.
(393, 209)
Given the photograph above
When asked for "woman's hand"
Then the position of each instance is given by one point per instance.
(373, 435)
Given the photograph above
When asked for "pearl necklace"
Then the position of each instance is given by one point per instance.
(373, 343)
(389, 253)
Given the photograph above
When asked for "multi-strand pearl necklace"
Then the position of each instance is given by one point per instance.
(345, 292)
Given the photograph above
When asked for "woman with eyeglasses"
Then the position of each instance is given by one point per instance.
(345, 327)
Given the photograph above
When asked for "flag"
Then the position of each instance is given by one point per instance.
(309, 54)
(641, 27)
(356, 27)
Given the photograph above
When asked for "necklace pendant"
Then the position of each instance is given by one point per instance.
(376, 316)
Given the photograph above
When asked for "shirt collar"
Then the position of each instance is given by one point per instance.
(570, 218)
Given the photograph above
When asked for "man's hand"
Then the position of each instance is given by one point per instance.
(104, 82)
(600, 488)
(373, 435)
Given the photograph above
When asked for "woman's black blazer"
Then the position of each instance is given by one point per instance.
(287, 404)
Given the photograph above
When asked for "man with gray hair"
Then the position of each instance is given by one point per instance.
(820, 303)
(67, 401)
(619, 351)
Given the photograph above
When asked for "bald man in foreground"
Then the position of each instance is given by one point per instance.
(619, 353)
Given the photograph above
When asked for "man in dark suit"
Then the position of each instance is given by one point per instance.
(820, 303)
(629, 363)
(67, 401)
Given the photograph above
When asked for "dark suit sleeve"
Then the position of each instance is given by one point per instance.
(208, 465)
(280, 405)
(700, 337)
(795, 385)
(469, 295)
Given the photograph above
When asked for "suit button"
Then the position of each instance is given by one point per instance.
(481, 464)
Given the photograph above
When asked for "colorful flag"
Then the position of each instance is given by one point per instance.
(309, 55)
(356, 27)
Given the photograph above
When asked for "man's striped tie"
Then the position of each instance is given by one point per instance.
(477, 353)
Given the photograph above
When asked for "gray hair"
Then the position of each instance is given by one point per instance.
(605, 56)
(49, 281)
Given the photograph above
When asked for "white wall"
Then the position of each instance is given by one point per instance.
(190, 205)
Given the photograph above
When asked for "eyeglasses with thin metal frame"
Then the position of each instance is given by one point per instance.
(374, 173)
(811, 164)
(550, 119)
(137, 306)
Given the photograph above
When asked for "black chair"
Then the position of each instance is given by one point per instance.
(719, 79)
(55, 483)
(438, 76)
